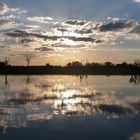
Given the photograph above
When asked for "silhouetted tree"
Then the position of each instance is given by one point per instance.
(136, 63)
(69, 65)
(28, 59)
(108, 64)
(47, 65)
(76, 64)
(92, 64)
(6, 61)
(124, 64)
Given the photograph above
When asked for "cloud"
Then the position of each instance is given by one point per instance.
(4, 9)
(78, 34)
(26, 40)
(63, 45)
(137, 1)
(116, 26)
(40, 19)
(6, 24)
(9, 17)
(113, 18)
(32, 26)
(75, 22)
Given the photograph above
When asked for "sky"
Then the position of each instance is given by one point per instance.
(62, 31)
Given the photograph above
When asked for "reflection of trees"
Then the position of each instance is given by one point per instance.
(6, 61)
(135, 79)
(84, 77)
(6, 81)
(28, 80)
(2, 130)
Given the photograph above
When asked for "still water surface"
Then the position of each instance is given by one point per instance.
(69, 107)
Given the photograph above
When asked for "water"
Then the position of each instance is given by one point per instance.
(69, 107)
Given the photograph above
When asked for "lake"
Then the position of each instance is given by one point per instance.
(69, 107)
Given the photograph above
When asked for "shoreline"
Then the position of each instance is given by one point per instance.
(58, 70)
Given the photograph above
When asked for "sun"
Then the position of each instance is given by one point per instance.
(69, 42)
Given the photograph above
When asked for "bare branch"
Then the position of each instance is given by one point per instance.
(28, 59)
(6, 61)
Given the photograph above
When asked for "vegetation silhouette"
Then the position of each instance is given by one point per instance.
(73, 68)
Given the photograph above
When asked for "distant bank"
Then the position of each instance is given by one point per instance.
(71, 70)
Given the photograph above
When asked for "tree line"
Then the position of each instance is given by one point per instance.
(73, 68)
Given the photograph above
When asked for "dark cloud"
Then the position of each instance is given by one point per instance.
(85, 39)
(83, 31)
(26, 40)
(115, 26)
(62, 29)
(99, 41)
(75, 22)
(19, 33)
